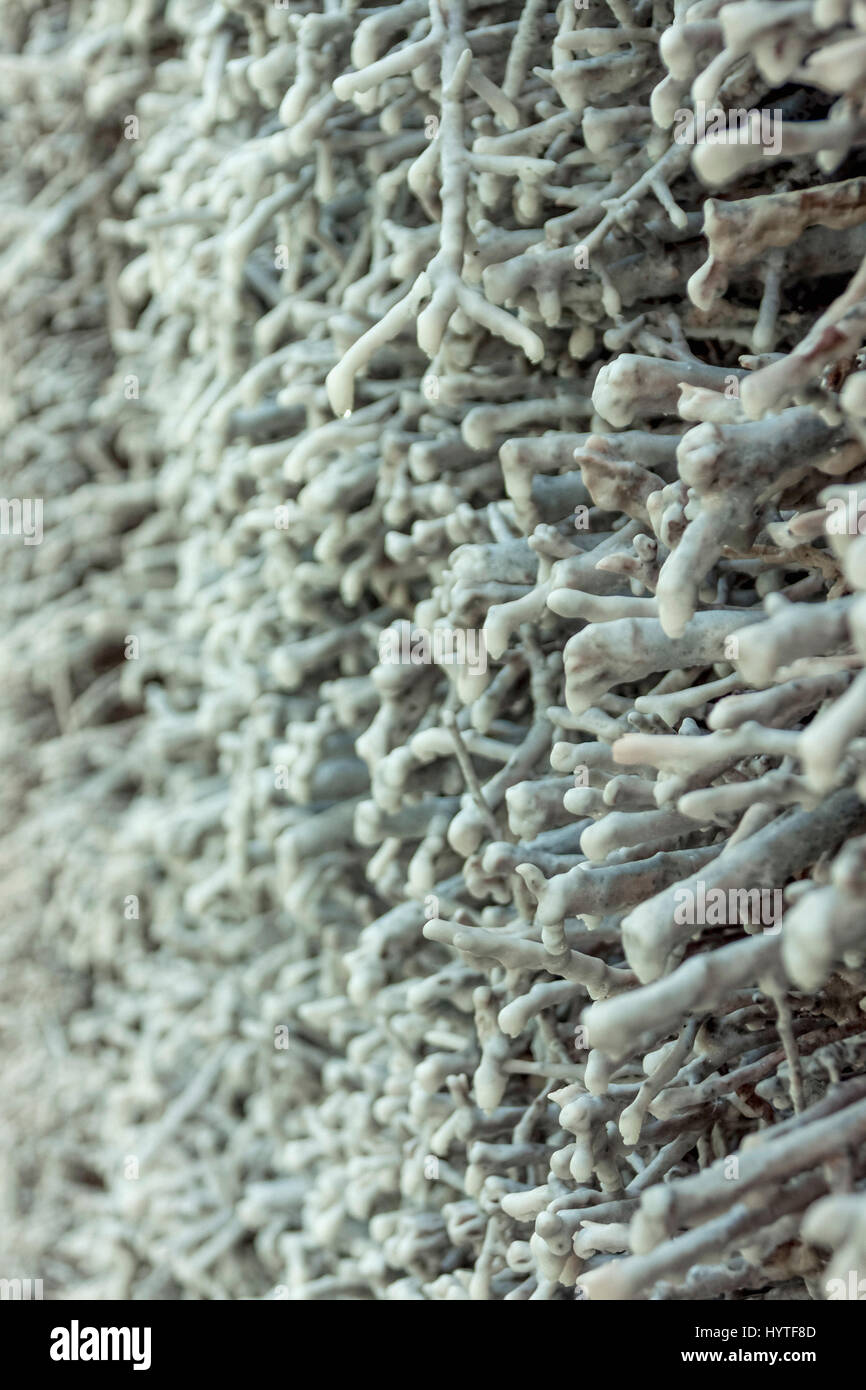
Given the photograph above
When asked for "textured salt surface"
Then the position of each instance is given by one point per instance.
(332, 976)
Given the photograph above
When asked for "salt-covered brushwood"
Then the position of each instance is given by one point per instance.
(373, 984)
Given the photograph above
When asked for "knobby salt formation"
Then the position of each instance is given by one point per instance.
(533, 977)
